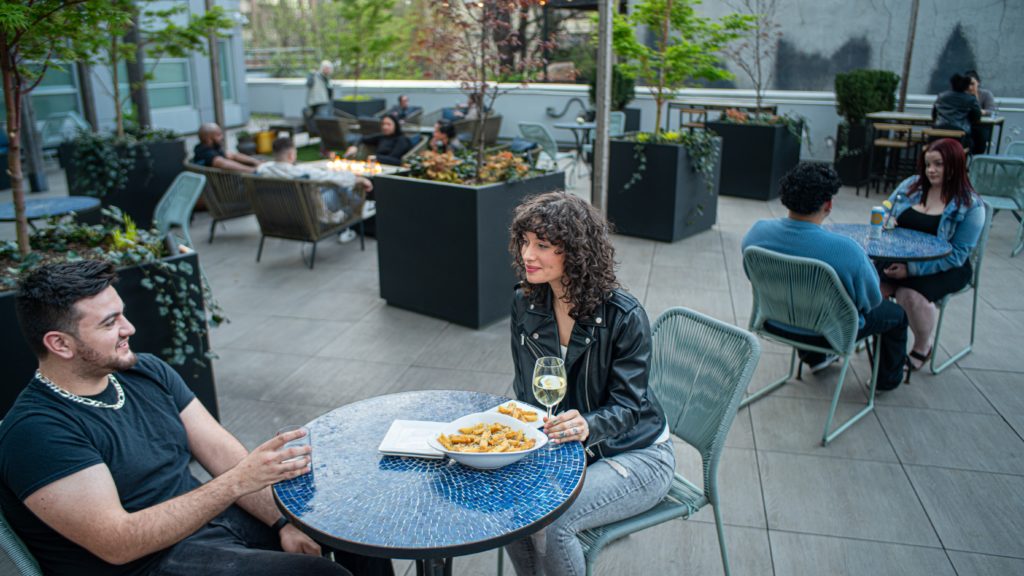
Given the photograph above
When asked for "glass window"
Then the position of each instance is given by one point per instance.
(169, 87)
(227, 74)
(168, 97)
(56, 93)
(46, 105)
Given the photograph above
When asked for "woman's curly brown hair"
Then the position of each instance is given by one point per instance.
(581, 233)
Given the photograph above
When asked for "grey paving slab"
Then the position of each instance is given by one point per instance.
(485, 350)
(386, 335)
(1004, 292)
(254, 422)
(741, 435)
(1017, 422)
(797, 424)
(982, 442)
(421, 378)
(328, 304)
(251, 374)
(981, 565)
(739, 485)
(334, 382)
(973, 511)
(810, 555)
(950, 390)
(1005, 390)
(291, 335)
(714, 303)
(846, 498)
(820, 386)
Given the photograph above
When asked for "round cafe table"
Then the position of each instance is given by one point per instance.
(358, 500)
(896, 245)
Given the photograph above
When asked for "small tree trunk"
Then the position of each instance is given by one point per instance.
(118, 112)
(12, 105)
(215, 72)
(908, 55)
(137, 77)
(659, 98)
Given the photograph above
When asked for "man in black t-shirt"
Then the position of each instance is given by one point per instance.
(94, 454)
(210, 152)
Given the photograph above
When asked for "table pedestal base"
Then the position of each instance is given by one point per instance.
(434, 567)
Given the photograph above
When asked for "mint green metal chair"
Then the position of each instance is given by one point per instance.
(977, 258)
(807, 294)
(176, 205)
(1015, 148)
(700, 368)
(1000, 182)
(616, 128)
(16, 550)
(539, 133)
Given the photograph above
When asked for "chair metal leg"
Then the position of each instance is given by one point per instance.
(213, 228)
(938, 331)
(312, 257)
(501, 561)
(774, 385)
(362, 237)
(827, 436)
(1020, 235)
(721, 539)
(260, 251)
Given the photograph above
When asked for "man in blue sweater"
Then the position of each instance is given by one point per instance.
(807, 192)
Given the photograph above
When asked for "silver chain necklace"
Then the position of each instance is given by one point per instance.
(87, 401)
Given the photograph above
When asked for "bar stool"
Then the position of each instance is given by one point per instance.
(896, 146)
(692, 118)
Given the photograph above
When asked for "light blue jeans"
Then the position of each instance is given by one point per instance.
(615, 488)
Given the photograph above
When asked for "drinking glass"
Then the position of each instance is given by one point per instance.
(549, 383)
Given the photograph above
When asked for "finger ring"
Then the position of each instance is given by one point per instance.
(562, 434)
(573, 430)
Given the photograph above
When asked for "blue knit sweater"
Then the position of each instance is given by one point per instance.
(808, 240)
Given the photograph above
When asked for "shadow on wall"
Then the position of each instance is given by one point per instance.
(798, 70)
(956, 58)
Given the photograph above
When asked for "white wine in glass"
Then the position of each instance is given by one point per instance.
(549, 383)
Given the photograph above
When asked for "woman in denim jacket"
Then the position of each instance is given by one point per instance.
(941, 201)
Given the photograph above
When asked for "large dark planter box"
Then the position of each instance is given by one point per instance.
(754, 158)
(632, 119)
(671, 200)
(359, 108)
(853, 154)
(147, 180)
(153, 334)
(443, 248)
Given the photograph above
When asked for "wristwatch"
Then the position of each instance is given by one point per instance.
(279, 524)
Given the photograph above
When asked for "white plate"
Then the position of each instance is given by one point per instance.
(409, 438)
(489, 460)
(541, 413)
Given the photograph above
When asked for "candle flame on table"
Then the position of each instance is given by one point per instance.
(359, 167)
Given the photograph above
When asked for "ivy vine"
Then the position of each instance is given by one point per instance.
(103, 161)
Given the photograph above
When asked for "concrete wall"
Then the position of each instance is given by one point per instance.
(822, 37)
(286, 97)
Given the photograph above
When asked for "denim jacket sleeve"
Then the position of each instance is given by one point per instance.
(961, 227)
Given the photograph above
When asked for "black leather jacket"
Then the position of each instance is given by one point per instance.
(607, 365)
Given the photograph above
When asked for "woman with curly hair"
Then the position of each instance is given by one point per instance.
(568, 304)
(940, 201)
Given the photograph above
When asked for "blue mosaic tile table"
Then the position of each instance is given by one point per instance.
(896, 245)
(36, 209)
(358, 500)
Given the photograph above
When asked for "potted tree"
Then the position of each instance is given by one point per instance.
(164, 292)
(461, 203)
(758, 149)
(859, 93)
(664, 185)
(361, 40)
(134, 166)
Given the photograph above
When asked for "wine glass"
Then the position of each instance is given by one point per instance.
(549, 383)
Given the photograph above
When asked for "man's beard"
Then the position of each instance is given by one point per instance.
(97, 364)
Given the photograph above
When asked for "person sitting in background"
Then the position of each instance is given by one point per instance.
(982, 133)
(210, 152)
(471, 109)
(390, 143)
(444, 138)
(957, 109)
(940, 201)
(402, 110)
(284, 166)
(807, 191)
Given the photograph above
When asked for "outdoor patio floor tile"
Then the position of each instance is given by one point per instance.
(487, 350)
(981, 442)
(809, 555)
(1005, 390)
(385, 335)
(844, 498)
(981, 565)
(796, 425)
(300, 336)
(739, 485)
(953, 390)
(251, 374)
(973, 511)
(334, 382)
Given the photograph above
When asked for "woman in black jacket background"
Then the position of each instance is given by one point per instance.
(390, 143)
(570, 305)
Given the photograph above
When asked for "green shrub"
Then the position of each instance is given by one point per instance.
(862, 92)
(623, 89)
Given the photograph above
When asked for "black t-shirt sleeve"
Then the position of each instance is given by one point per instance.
(204, 155)
(67, 451)
(162, 372)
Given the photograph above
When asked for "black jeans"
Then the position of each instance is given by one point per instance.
(236, 543)
(888, 320)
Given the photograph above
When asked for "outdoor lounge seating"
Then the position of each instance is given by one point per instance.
(294, 210)
(977, 257)
(16, 551)
(225, 194)
(335, 134)
(806, 294)
(465, 128)
(1000, 181)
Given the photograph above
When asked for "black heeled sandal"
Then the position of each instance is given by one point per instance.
(918, 356)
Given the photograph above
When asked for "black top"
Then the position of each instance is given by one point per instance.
(45, 437)
(914, 220)
(203, 154)
(956, 111)
(390, 149)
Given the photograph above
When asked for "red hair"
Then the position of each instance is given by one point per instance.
(956, 186)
